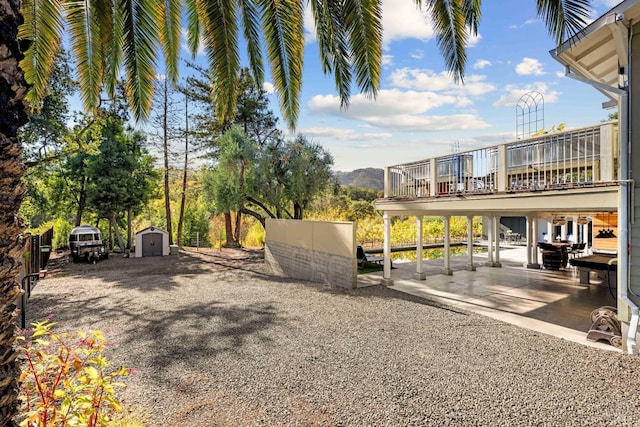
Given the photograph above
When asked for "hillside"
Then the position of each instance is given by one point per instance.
(371, 178)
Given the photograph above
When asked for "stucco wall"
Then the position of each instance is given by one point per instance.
(316, 251)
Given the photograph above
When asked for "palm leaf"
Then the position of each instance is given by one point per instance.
(193, 26)
(450, 26)
(333, 44)
(220, 36)
(107, 14)
(563, 18)
(43, 27)
(251, 25)
(140, 19)
(284, 36)
(85, 37)
(363, 22)
(170, 32)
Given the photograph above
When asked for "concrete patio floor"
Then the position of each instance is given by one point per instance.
(550, 302)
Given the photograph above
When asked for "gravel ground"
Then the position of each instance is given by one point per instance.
(216, 341)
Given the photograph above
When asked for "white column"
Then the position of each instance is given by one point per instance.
(490, 233)
(534, 249)
(529, 252)
(419, 275)
(470, 265)
(386, 274)
(496, 236)
(447, 246)
(531, 242)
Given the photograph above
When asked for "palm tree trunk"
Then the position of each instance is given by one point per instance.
(14, 114)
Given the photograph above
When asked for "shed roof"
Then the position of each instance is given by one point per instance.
(153, 229)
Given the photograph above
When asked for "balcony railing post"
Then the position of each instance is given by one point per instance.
(502, 168)
(433, 177)
(387, 181)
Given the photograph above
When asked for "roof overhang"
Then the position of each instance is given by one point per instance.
(598, 55)
(541, 203)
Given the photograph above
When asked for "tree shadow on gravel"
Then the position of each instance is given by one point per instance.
(158, 339)
(145, 274)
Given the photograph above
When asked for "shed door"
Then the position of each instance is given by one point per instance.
(152, 244)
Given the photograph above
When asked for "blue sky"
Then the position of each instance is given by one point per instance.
(420, 112)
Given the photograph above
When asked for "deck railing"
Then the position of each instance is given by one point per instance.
(576, 158)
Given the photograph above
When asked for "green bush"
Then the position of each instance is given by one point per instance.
(66, 380)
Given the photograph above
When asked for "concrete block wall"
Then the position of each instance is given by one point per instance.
(316, 251)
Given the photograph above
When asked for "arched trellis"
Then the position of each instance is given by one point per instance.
(529, 114)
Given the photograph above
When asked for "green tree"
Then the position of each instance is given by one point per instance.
(228, 182)
(308, 173)
(120, 175)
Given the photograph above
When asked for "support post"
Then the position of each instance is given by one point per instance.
(496, 236)
(533, 250)
(386, 274)
(470, 265)
(447, 246)
(490, 233)
(419, 274)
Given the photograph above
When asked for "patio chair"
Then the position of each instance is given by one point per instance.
(364, 258)
(577, 249)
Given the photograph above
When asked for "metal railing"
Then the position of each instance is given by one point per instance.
(411, 179)
(569, 159)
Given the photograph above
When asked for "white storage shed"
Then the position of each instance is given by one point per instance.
(152, 241)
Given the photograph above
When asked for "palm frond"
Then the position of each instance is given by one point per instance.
(43, 27)
(563, 18)
(219, 21)
(333, 44)
(284, 37)
(363, 21)
(193, 25)
(450, 26)
(140, 19)
(85, 37)
(472, 12)
(170, 32)
(107, 17)
(251, 25)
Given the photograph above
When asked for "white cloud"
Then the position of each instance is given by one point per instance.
(400, 20)
(387, 60)
(481, 64)
(524, 24)
(418, 79)
(269, 88)
(415, 123)
(399, 110)
(403, 20)
(512, 94)
(560, 74)
(417, 54)
(343, 134)
(530, 66)
(474, 39)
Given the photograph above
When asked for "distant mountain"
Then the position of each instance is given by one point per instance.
(371, 178)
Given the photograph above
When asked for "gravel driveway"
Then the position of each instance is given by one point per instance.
(216, 341)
